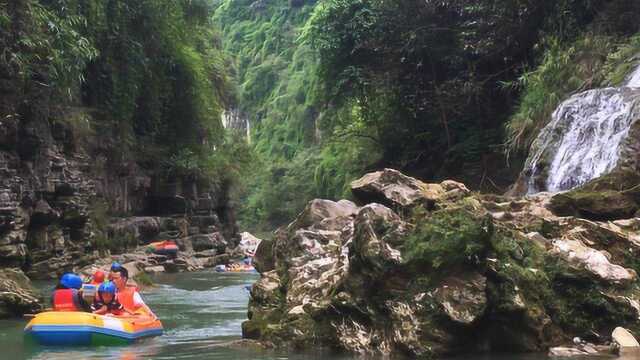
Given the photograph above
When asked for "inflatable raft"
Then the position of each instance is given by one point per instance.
(166, 247)
(82, 328)
(241, 268)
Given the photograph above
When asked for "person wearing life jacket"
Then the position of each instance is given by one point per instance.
(67, 295)
(128, 296)
(115, 266)
(106, 302)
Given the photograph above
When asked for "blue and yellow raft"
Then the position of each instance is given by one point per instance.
(55, 328)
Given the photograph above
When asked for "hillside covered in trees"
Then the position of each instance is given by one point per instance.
(444, 89)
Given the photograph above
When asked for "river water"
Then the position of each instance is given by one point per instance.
(201, 313)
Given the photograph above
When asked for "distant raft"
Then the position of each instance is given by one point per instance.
(166, 247)
(58, 328)
(239, 268)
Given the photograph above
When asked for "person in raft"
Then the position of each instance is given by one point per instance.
(128, 296)
(97, 278)
(106, 302)
(67, 295)
(115, 266)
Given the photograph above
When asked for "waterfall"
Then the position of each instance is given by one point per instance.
(584, 137)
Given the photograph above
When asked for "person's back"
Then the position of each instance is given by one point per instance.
(66, 296)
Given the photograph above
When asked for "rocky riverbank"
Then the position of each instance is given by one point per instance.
(70, 198)
(423, 270)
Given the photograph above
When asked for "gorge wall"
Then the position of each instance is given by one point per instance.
(61, 197)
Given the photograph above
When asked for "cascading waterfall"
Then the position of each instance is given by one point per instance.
(583, 139)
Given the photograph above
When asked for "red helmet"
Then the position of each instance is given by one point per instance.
(98, 276)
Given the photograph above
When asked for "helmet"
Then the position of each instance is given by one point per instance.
(71, 281)
(115, 266)
(98, 276)
(107, 287)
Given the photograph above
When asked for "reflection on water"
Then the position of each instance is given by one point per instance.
(201, 313)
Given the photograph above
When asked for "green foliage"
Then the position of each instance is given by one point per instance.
(277, 80)
(449, 239)
(563, 70)
(148, 75)
(622, 62)
(44, 45)
(143, 279)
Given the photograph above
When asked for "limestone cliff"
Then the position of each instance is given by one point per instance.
(433, 269)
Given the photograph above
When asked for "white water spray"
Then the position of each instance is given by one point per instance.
(583, 139)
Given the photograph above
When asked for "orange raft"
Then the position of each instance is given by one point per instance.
(166, 247)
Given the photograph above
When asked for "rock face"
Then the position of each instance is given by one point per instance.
(17, 296)
(58, 190)
(486, 272)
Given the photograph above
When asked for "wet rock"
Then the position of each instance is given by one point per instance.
(202, 242)
(594, 261)
(623, 338)
(566, 351)
(154, 269)
(610, 197)
(463, 298)
(17, 296)
(263, 260)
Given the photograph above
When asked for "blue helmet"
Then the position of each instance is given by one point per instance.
(71, 281)
(115, 266)
(107, 287)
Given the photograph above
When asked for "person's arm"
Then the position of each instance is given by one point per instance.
(103, 310)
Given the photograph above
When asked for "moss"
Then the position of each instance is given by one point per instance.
(613, 196)
(448, 239)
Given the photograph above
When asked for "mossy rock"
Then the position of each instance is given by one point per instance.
(610, 197)
(264, 260)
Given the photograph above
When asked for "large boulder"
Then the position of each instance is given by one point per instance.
(392, 188)
(492, 273)
(17, 295)
(201, 242)
(596, 262)
(318, 210)
(613, 196)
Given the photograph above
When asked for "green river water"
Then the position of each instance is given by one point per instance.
(201, 313)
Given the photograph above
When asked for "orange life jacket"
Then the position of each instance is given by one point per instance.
(65, 300)
(125, 297)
